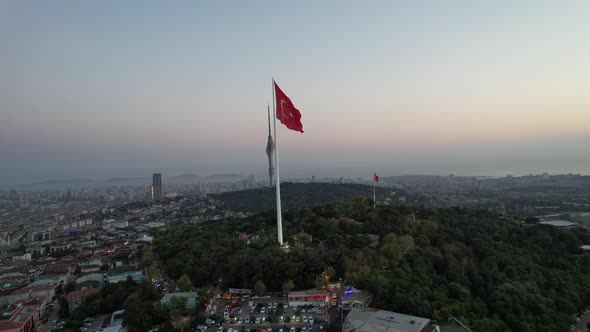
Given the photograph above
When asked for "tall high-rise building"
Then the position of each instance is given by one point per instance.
(156, 187)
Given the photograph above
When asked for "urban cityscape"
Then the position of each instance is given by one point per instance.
(294, 167)
(62, 247)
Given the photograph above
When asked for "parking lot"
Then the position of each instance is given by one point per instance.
(264, 314)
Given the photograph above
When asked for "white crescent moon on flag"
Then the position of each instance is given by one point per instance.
(285, 115)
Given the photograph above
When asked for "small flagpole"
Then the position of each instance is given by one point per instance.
(374, 184)
(277, 180)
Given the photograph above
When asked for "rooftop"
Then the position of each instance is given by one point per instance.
(306, 292)
(382, 320)
(123, 269)
(168, 296)
(82, 293)
(558, 223)
(356, 295)
(33, 289)
(20, 316)
(18, 277)
(59, 267)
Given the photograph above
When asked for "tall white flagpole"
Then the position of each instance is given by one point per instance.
(277, 179)
(374, 184)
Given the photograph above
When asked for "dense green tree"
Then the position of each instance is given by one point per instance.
(177, 304)
(152, 272)
(259, 288)
(184, 283)
(135, 318)
(64, 307)
(288, 286)
(328, 273)
(71, 286)
(140, 313)
(184, 324)
(147, 256)
(492, 272)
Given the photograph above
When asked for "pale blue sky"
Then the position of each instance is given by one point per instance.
(112, 88)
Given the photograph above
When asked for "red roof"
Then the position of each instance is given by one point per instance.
(59, 267)
(82, 293)
(9, 325)
(25, 310)
(37, 298)
(85, 253)
(33, 289)
(21, 269)
(21, 277)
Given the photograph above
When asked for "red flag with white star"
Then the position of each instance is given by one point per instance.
(286, 111)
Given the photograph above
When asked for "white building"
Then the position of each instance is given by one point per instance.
(368, 320)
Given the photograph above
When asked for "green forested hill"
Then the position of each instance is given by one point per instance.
(297, 194)
(494, 274)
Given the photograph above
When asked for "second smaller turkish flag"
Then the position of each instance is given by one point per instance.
(375, 177)
(286, 111)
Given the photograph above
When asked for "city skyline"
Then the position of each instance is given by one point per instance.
(110, 89)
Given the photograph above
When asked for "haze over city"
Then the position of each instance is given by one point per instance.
(434, 173)
(112, 89)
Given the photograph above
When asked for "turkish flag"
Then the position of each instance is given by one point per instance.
(286, 112)
(375, 177)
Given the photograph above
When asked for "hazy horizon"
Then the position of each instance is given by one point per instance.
(112, 89)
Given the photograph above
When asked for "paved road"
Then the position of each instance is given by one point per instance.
(581, 325)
